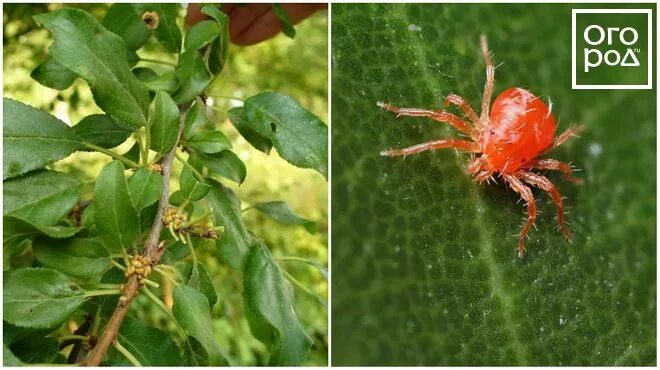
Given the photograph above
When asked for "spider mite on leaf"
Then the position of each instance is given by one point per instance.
(508, 140)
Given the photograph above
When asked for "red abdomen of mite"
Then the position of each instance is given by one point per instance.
(521, 127)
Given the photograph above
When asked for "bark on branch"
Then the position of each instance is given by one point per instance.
(152, 249)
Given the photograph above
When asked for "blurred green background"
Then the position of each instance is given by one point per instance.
(295, 67)
(425, 268)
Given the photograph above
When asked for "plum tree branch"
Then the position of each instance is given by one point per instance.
(152, 249)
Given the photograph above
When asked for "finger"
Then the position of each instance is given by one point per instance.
(269, 25)
(194, 14)
(241, 17)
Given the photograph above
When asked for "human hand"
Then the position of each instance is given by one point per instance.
(253, 23)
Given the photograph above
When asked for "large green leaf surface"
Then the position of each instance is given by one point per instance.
(43, 197)
(145, 187)
(201, 280)
(114, 212)
(201, 34)
(238, 118)
(78, 257)
(15, 230)
(38, 297)
(164, 123)
(235, 242)
(98, 56)
(425, 269)
(269, 302)
(220, 47)
(150, 346)
(299, 136)
(101, 130)
(124, 20)
(193, 77)
(191, 188)
(52, 74)
(191, 309)
(32, 138)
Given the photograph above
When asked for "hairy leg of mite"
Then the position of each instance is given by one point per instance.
(438, 115)
(462, 145)
(482, 176)
(466, 108)
(546, 185)
(475, 164)
(554, 165)
(490, 80)
(570, 132)
(526, 193)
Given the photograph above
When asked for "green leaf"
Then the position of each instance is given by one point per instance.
(79, 257)
(191, 309)
(209, 142)
(194, 353)
(164, 123)
(175, 252)
(51, 73)
(36, 348)
(39, 297)
(42, 197)
(299, 136)
(101, 130)
(195, 118)
(167, 82)
(220, 47)
(193, 77)
(114, 213)
(150, 346)
(98, 56)
(168, 32)
(134, 153)
(123, 20)
(201, 280)
(239, 120)
(269, 298)
(8, 358)
(145, 187)
(226, 164)
(282, 213)
(201, 34)
(16, 230)
(32, 138)
(438, 252)
(287, 26)
(144, 74)
(235, 241)
(191, 188)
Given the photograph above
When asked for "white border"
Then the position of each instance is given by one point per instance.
(649, 15)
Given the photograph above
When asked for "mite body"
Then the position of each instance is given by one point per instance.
(508, 141)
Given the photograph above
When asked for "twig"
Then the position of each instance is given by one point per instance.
(158, 61)
(152, 249)
(129, 356)
(114, 155)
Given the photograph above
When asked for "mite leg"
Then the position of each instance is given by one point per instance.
(570, 132)
(465, 107)
(525, 193)
(482, 176)
(438, 115)
(462, 145)
(475, 164)
(546, 185)
(490, 80)
(554, 165)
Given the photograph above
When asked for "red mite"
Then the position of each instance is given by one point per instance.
(508, 142)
